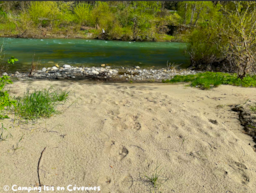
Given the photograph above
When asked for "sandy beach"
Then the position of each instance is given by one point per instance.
(113, 135)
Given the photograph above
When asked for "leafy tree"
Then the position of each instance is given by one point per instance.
(82, 13)
(240, 31)
(227, 39)
(193, 12)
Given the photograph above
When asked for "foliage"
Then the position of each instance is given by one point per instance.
(229, 38)
(12, 60)
(241, 32)
(253, 108)
(82, 13)
(5, 100)
(195, 12)
(39, 104)
(3, 65)
(138, 20)
(209, 80)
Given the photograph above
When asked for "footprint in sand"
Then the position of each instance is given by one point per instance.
(137, 126)
(239, 172)
(115, 150)
(126, 182)
(123, 153)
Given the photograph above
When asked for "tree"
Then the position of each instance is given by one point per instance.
(240, 31)
(228, 39)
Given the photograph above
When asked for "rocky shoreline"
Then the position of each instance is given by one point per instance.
(104, 72)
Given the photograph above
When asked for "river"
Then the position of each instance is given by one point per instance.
(80, 52)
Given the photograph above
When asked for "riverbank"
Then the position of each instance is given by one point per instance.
(104, 72)
(114, 135)
(90, 36)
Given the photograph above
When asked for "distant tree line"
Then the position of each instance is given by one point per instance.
(220, 34)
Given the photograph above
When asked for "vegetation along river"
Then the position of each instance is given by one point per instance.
(81, 52)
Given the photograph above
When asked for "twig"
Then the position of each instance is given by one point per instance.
(38, 167)
(137, 147)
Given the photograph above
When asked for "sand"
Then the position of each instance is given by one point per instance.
(113, 135)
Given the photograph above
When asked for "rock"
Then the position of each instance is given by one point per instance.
(95, 72)
(108, 67)
(54, 68)
(5, 74)
(137, 67)
(103, 65)
(66, 66)
(44, 70)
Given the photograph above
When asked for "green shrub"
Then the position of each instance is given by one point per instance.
(39, 104)
(5, 100)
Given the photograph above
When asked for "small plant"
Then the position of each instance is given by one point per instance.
(2, 136)
(39, 103)
(172, 66)
(253, 108)
(3, 65)
(155, 179)
(12, 60)
(16, 147)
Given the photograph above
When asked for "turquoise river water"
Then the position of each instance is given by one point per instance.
(80, 52)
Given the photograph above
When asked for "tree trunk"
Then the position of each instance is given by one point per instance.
(186, 6)
(192, 14)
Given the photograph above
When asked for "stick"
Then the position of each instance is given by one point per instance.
(38, 167)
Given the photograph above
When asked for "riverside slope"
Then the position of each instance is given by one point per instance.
(112, 135)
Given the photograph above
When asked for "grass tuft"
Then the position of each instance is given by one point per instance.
(155, 179)
(39, 103)
(3, 137)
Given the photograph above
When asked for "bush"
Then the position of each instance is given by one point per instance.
(5, 100)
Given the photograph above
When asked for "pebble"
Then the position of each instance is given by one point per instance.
(66, 66)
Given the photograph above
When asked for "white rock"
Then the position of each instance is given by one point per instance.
(44, 69)
(5, 74)
(137, 67)
(54, 68)
(66, 66)
(95, 72)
